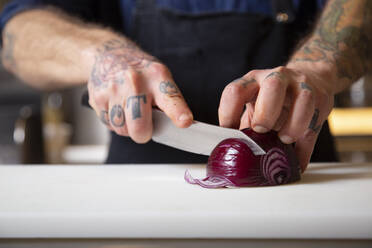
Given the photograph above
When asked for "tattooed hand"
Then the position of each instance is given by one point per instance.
(283, 99)
(124, 85)
(295, 100)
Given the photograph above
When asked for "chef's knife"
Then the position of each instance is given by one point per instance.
(200, 138)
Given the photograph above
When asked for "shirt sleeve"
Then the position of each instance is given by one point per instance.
(15, 7)
(81, 8)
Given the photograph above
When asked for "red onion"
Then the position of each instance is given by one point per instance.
(233, 164)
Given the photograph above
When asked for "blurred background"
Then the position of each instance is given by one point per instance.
(47, 127)
(54, 128)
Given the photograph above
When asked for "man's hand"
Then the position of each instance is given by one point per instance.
(295, 100)
(49, 50)
(124, 85)
(284, 99)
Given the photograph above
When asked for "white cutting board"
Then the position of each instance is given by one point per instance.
(154, 201)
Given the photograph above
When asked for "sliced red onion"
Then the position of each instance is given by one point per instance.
(209, 182)
(233, 164)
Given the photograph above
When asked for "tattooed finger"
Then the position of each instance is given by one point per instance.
(104, 117)
(275, 74)
(313, 124)
(117, 117)
(270, 100)
(306, 86)
(169, 88)
(135, 101)
(244, 81)
(169, 99)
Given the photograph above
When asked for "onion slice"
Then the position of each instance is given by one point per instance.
(209, 182)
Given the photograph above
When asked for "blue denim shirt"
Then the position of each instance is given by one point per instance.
(183, 6)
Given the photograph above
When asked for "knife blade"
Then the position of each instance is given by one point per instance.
(199, 138)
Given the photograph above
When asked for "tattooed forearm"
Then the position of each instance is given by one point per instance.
(114, 58)
(313, 124)
(169, 88)
(136, 105)
(8, 50)
(343, 37)
(312, 52)
(117, 117)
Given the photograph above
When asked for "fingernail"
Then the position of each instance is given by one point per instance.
(286, 139)
(185, 117)
(260, 129)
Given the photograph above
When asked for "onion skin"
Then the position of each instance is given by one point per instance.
(233, 164)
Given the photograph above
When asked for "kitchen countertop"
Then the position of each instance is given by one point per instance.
(332, 201)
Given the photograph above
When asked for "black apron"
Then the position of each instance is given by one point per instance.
(205, 53)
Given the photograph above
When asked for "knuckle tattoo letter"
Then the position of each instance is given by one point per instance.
(104, 117)
(275, 74)
(117, 116)
(305, 86)
(244, 82)
(169, 88)
(313, 123)
(136, 105)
